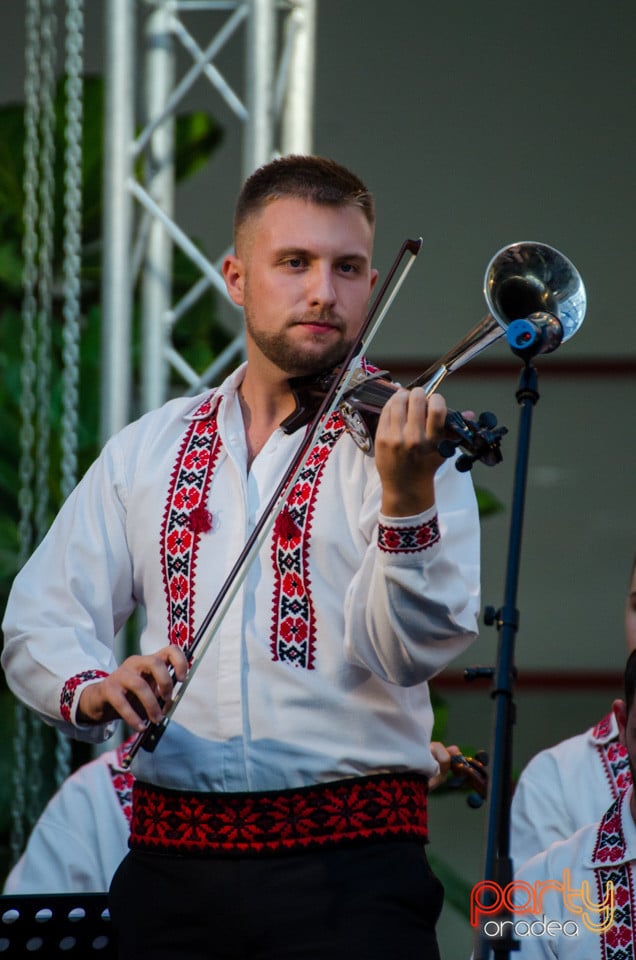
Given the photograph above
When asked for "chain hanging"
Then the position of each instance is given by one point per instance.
(72, 287)
(39, 152)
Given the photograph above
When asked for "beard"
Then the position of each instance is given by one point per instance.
(297, 361)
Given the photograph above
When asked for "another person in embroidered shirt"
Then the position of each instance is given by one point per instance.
(572, 783)
(580, 915)
(81, 836)
(283, 812)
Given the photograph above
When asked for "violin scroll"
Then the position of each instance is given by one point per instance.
(480, 439)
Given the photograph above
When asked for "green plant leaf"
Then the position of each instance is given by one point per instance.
(487, 502)
(197, 135)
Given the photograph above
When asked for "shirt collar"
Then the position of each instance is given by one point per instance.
(615, 839)
(605, 730)
(205, 405)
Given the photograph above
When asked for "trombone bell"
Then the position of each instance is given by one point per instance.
(526, 278)
(521, 279)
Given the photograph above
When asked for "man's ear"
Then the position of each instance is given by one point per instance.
(234, 276)
(620, 712)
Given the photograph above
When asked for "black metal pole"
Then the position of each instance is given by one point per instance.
(498, 865)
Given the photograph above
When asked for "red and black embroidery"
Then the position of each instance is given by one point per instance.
(615, 762)
(70, 688)
(293, 633)
(613, 756)
(186, 517)
(293, 626)
(122, 779)
(383, 806)
(408, 539)
(617, 943)
(604, 728)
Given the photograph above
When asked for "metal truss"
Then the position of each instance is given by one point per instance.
(274, 39)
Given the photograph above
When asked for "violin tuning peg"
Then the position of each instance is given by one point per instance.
(487, 420)
(446, 448)
(465, 463)
(474, 801)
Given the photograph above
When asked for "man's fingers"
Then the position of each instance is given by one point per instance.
(178, 659)
(436, 415)
(140, 689)
(443, 755)
(153, 679)
(410, 412)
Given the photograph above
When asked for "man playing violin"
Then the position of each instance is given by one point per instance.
(283, 812)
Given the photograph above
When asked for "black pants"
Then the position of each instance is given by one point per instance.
(375, 901)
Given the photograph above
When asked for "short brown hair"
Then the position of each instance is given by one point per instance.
(315, 179)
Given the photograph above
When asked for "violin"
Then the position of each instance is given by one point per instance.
(471, 773)
(361, 405)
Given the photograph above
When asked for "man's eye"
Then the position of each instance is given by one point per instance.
(295, 262)
(348, 267)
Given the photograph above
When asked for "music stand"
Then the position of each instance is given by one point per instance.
(56, 925)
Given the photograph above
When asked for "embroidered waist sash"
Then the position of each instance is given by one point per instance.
(382, 806)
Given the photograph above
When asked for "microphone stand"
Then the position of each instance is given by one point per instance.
(498, 864)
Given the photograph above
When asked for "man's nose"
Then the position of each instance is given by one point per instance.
(322, 289)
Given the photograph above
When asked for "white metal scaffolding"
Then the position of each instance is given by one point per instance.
(275, 42)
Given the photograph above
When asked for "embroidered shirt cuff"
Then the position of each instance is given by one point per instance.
(69, 697)
(406, 535)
